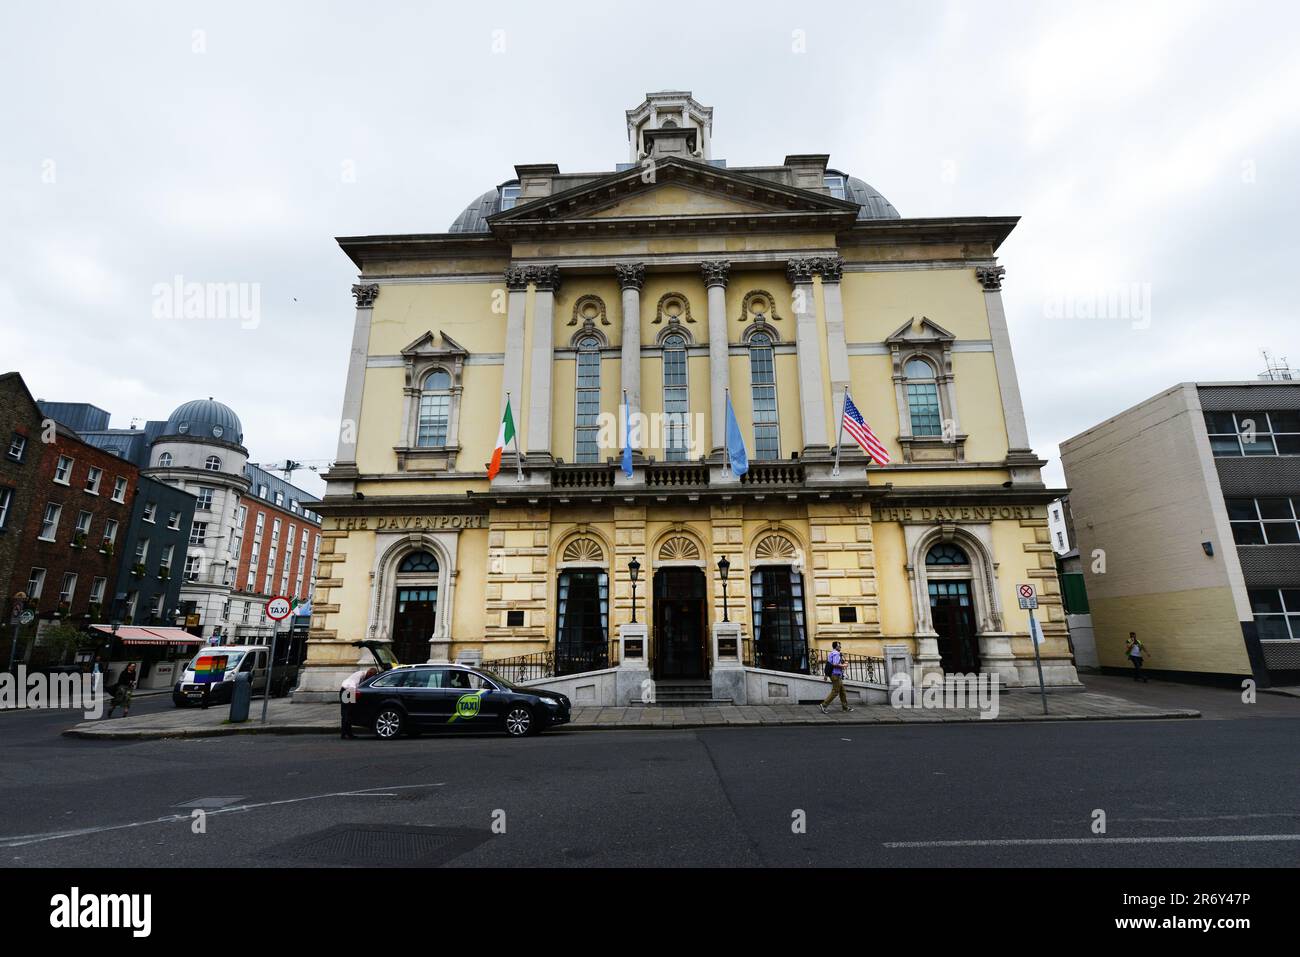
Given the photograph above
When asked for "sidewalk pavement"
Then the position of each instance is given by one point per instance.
(285, 717)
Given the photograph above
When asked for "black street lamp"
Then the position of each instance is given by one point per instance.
(724, 567)
(634, 569)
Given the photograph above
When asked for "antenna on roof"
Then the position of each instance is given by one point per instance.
(1277, 370)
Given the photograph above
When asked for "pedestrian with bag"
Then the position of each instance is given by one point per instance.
(122, 691)
(834, 669)
(1137, 654)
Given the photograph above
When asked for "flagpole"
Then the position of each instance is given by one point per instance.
(839, 439)
(519, 457)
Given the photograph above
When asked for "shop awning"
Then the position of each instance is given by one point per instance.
(154, 635)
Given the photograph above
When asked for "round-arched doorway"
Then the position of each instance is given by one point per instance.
(952, 607)
(415, 608)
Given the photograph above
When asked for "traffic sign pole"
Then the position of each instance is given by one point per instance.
(1028, 596)
(277, 609)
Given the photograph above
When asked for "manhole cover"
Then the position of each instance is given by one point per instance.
(373, 845)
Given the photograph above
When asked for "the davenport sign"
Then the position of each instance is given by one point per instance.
(406, 523)
(953, 513)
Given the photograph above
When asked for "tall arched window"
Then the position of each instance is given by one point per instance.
(415, 611)
(677, 401)
(165, 460)
(586, 413)
(435, 403)
(923, 398)
(762, 377)
(212, 463)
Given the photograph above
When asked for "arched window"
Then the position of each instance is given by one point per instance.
(945, 553)
(165, 460)
(435, 403)
(762, 377)
(677, 401)
(418, 562)
(923, 398)
(586, 413)
(212, 463)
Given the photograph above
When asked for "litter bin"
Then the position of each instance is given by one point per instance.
(240, 697)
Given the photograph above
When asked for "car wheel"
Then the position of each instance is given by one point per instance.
(520, 721)
(388, 724)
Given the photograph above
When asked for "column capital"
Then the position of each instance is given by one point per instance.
(546, 278)
(715, 272)
(630, 275)
(517, 278)
(800, 270)
(365, 294)
(990, 277)
(831, 268)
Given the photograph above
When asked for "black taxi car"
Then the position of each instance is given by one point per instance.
(410, 699)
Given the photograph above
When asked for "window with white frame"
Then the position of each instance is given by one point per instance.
(119, 489)
(165, 560)
(922, 389)
(260, 526)
(242, 516)
(67, 588)
(17, 445)
(204, 499)
(279, 498)
(1253, 433)
(165, 460)
(243, 614)
(35, 582)
(199, 533)
(92, 480)
(835, 183)
(50, 522)
(141, 551)
(509, 196)
(63, 470)
(677, 400)
(762, 378)
(434, 410)
(262, 491)
(275, 531)
(174, 521)
(132, 601)
(1264, 521)
(586, 443)
(83, 523)
(6, 499)
(150, 512)
(193, 564)
(97, 586)
(156, 610)
(212, 464)
(110, 532)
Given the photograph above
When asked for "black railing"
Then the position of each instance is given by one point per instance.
(524, 668)
(572, 661)
(862, 668)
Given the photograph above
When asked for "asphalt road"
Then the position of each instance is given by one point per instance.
(1215, 793)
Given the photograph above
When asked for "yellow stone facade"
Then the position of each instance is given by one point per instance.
(677, 246)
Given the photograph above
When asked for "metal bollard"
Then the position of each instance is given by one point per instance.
(240, 698)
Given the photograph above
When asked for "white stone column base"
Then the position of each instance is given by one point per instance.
(997, 658)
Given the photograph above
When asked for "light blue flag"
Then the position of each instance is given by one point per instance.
(627, 439)
(737, 456)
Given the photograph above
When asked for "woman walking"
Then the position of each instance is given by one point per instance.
(122, 691)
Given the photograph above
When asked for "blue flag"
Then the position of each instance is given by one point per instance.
(627, 439)
(737, 456)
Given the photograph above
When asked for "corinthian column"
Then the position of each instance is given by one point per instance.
(546, 280)
(837, 349)
(812, 402)
(631, 277)
(715, 281)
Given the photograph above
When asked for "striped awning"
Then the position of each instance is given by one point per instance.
(153, 635)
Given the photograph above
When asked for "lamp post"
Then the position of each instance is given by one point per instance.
(634, 569)
(20, 600)
(724, 567)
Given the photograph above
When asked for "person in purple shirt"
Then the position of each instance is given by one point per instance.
(836, 662)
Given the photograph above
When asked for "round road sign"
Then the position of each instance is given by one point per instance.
(278, 608)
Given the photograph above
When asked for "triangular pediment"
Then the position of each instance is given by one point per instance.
(920, 329)
(439, 344)
(672, 188)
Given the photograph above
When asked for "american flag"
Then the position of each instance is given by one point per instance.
(857, 427)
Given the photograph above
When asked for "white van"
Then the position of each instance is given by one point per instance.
(209, 677)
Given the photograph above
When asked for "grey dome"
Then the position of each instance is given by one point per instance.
(871, 205)
(205, 419)
(474, 218)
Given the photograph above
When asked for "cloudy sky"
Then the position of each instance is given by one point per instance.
(1151, 150)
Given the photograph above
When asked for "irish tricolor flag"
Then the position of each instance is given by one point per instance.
(504, 437)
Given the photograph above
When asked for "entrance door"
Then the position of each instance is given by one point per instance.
(777, 595)
(581, 612)
(680, 623)
(414, 619)
(954, 619)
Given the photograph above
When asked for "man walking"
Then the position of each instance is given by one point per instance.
(1136, 654)
(836, 664)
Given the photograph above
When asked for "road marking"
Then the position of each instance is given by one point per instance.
(22, 840)
(1041, 841)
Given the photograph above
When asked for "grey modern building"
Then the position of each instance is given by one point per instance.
(148, 587)
(1187, 512)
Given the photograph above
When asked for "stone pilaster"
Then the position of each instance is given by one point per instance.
(842, 571)
(715, 281)
(518, 549)
(513, 373)
(365, 295)
(837, 350)
(1025, 470)
(546, 282)
(812, 375)
(631, 277)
